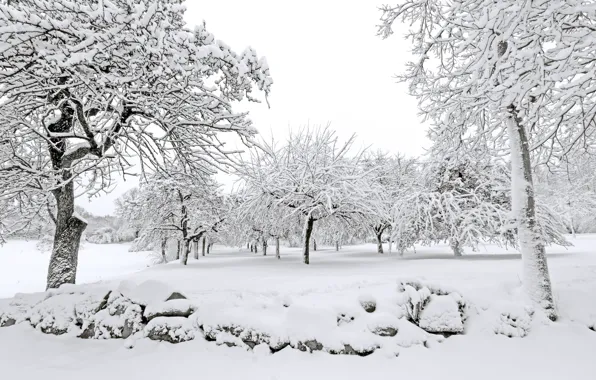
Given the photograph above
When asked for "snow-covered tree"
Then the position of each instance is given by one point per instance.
(315, 176)
(179, 206)
(515, 75)
(394, 175)
(86, 84)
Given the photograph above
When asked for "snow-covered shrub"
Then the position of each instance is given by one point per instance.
(516, 321)
(119, 317)
(170, 329)
(432, 308)
(56, 314)
(104, 235)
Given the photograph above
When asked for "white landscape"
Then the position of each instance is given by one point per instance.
(175, 203)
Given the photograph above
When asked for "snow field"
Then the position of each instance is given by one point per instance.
(286, 298)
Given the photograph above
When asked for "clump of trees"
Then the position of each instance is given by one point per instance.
(514, 77)
(86, 85)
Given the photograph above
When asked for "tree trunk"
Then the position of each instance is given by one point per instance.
(178, 250)
(195, 249)
(455, 247)
(164, 243)
(379, 242)
(277, 248)
(185, 251)
(62, 268)
(337, 245)
(308, 227)
(209, 248)
(247, 245)
(314, 244)
(204, 243)
(536, 275)
(264, 247)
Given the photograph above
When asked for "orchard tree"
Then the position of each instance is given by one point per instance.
(180, 206)
(514, 74)
(393, 176)
(313, 175)
(85, 85)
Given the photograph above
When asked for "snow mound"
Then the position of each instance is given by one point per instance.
(170, 329)
(56, 314)
(118, 317)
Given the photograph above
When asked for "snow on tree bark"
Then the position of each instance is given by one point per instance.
(535, 268)
(277, 248)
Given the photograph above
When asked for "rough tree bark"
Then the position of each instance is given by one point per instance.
(67, 237)
(277, 248)
(178, 250)
(308, 227)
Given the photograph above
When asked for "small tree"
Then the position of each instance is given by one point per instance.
(315, 177)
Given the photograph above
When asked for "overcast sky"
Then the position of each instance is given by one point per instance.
(327, 65)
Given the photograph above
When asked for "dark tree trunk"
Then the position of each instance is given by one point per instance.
(195, 248)
(380, 242)
(308, 227)
(277, 248)
(67, 237)
(178, 250)
(204, 245)
(164, 243)
(209, 248)
(264, 247)
(337, 245)
(314, 244)
(247, 245)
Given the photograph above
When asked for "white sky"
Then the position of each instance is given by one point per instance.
(327, 65)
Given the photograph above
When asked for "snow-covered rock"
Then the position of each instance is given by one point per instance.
(148, 292)
(118, 317)
(434, 309)
(383, 324)
(441, 315)
(170, 329)
(513, 320)
(368, 303)
(172, 308)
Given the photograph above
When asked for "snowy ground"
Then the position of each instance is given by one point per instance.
(227, 279)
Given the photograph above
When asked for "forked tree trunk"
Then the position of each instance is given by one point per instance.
(204, 243)
(264, 247)
(308, 227)
(164, 244)
(455, 247)
(67, 237)
(277, 248)
(535, 268)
